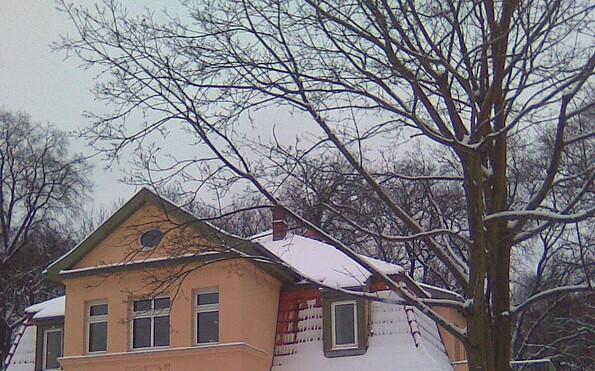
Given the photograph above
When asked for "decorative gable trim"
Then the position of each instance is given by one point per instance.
(99, 234)
(64, 264)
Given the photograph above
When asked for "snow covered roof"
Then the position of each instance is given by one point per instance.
(400, 338)
(24, 356)
(311, 259)
(47, 309)
(321, 262)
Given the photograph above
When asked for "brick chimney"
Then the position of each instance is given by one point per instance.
(279, 223)
(311, 234)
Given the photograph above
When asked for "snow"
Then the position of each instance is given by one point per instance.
(487, 172)
(321, 262)
(136, 262)
(392, 342)
(24, 357)
(48, 309)
(568, 91)
(439, 289)
(540, 215)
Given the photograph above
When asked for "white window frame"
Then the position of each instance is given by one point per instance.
(205, 308)
(95, 319)
(334, 325)
(152, 314)
(45, 346)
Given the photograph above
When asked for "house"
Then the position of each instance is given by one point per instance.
(154, 288)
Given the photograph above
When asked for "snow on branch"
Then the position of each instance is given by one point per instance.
(391, 174)
(555, 291)
(541, 215)
(407, 238)
(579, 138)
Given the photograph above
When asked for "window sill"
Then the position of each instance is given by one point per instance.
(344, 347)
(206, 345)
(96, 352)
(144, 349)
(344, 352)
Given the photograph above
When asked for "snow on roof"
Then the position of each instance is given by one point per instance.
(48, 309)
(391, 342)
(24, 356)
(321, 262)
(137, 262)
(444, 293)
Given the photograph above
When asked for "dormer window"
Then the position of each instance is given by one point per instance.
(345, 325)
(150, 239)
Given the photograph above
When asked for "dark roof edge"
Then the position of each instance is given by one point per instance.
(143, 197)
(98, 235)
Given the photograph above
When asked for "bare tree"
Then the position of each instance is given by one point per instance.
(470, 77)
(329, 194)
(558, 327)
(40, 188)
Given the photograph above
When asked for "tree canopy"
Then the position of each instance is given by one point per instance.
(41, 187)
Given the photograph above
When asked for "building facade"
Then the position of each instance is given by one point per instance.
(154, 288)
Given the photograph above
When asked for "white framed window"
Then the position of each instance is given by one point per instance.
(344, 324)
(150, 323)
(206, 316)
(52, 348)
(97, 327)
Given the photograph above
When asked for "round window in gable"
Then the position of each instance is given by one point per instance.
(151, 239)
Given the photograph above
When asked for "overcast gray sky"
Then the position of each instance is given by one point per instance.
(35, 80)
(40, 82)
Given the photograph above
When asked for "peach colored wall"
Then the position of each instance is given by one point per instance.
(454, 347)
(213, 358)
(124, 243)
(247, 315)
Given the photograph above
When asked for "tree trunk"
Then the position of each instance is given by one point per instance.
(501, 333)
(5, 333)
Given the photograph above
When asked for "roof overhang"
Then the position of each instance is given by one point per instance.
(233, 246)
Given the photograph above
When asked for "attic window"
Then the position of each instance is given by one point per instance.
(345, 325)
(151, 239)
